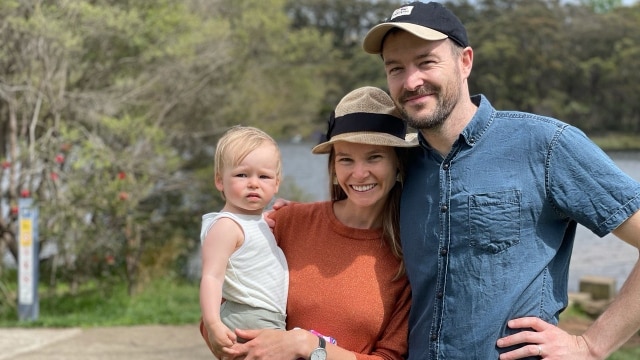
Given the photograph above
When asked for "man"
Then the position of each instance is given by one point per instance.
(490, 205)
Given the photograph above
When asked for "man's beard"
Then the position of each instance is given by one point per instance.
(445, 102)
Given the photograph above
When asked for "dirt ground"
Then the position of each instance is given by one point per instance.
(153, 342)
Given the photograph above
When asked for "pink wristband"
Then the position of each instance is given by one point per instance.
(329, 339)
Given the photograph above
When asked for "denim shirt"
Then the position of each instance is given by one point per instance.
(487, 232)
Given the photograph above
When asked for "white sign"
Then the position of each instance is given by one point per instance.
(28, 303)
(26, 258)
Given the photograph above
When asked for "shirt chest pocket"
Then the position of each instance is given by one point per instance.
(494, 220)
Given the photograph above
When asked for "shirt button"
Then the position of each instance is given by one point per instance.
(439, 295)
(434, 337)
(445, 166)
(443, 252)
(444, 208)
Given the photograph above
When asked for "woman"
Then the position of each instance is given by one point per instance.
(346, 276)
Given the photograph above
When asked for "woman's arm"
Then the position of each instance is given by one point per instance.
(278, 344)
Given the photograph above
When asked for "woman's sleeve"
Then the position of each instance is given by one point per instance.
(393, 342)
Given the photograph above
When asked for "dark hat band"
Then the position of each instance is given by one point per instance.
(362, 121)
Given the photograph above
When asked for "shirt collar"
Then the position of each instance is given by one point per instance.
(477, 126)
(480, 122)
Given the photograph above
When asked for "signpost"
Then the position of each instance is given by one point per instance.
(28, 303)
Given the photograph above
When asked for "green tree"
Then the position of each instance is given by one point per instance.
(557, 59)
(346, 22)
(89, 77)
(601, 6)
(277, 79)
(110, 110)
(606, 46)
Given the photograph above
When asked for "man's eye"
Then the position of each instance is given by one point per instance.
(393, 70)
(427, 63)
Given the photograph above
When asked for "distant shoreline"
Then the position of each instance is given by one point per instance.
(617, 142)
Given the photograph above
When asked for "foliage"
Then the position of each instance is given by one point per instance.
(347, 22)
(557, 59)
(161, 301)
(602, 6)
(625, 354)
(95, 221)
(110, 110)
(276, 82)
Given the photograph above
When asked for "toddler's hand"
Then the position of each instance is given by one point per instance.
(221, 337)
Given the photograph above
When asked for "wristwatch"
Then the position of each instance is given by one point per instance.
(319, 353)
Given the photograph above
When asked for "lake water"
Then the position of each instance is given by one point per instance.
(592, 255)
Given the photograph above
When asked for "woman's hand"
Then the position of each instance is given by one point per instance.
(278, 204)
(270, 344)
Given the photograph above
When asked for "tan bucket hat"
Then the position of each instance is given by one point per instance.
(366, 115)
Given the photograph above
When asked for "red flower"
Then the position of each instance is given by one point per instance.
(122, 175)
(123, 195)
(54, 176)
(59, 158)
(14, 210)
(6, 164)
(25, 193)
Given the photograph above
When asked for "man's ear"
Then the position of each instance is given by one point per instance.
(466, 62)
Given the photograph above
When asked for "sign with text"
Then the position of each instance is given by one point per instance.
(28, 304)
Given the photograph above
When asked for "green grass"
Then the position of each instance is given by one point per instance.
(159, 302)
(626, 354)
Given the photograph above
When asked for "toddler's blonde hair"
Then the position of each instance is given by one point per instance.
(237, 143)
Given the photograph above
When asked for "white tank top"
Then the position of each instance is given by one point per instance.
(257, 274)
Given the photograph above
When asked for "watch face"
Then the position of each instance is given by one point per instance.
(318, 354)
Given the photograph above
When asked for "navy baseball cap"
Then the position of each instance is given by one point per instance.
(429, 21)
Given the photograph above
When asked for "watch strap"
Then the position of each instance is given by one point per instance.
(319, 353)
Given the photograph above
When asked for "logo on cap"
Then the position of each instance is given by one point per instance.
(405, 10)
